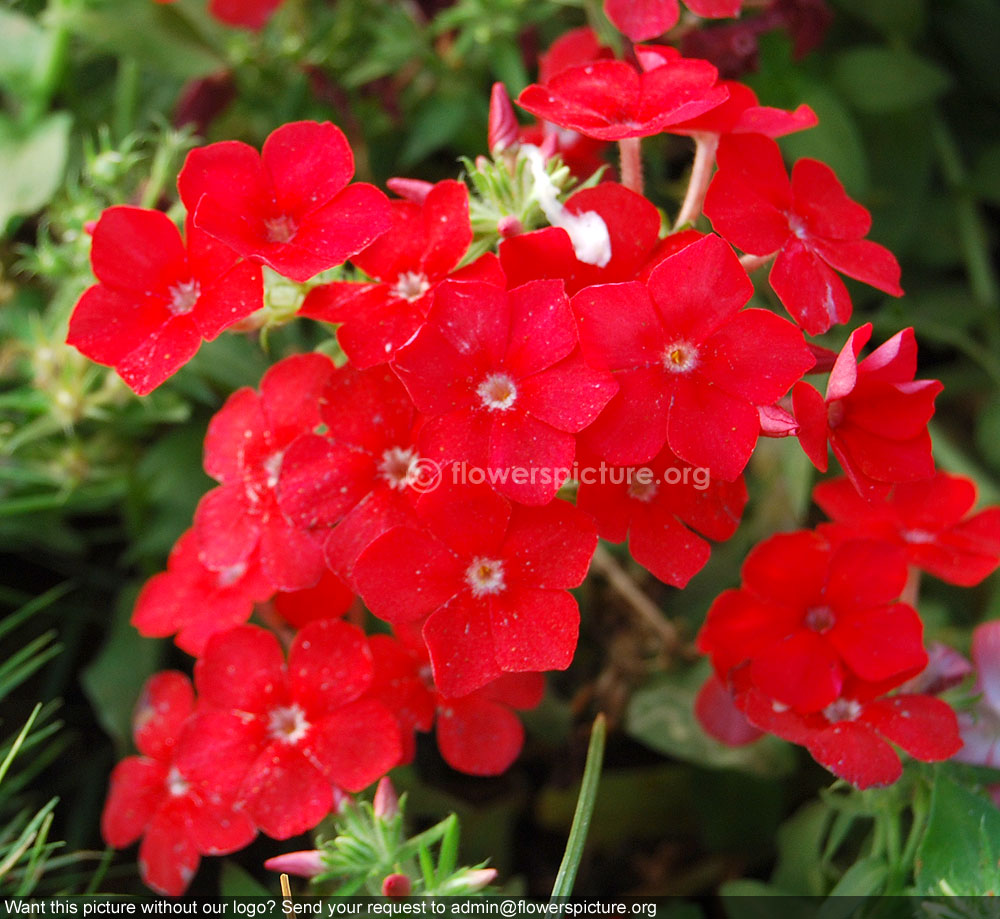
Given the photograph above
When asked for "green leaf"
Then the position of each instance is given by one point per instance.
(238, 882)
(893, 17)
(21, 45)
(864, 878)
(985, 178)
(31, 164)
(875, 79)
(959, 851)
(435, 125)
(661, 715)
(800, 842)
(115, 678)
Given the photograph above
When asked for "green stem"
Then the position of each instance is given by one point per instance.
(971, 229)
(126, 96)
(563, 886)
(50, 66)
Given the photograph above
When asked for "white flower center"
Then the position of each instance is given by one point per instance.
(485, 576)
(820, 618)
(177, 785)
(280, 229)
(272, 466)
(229, 576)
(643, 491)
(183, 296)
(842, 710)
(287, 724)
(498, 392)
(411, 285)
(399, 467)
(919, 537)
(680, 357)
(796, 225)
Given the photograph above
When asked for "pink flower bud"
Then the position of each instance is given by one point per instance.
(509, 226)
(396, 886)
(504, 129)
(415, 190)
(386, 803)
(478, 878)
(305, 864)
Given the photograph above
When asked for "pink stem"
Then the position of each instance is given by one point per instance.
(705, 146)
(631, 164)
(753, 262)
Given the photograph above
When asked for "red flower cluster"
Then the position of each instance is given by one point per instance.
(426, 472)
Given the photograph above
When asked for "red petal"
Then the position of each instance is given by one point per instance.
(641, 20)
(854, 753)
(356, 745)
(239, 422)
(813, 295)
(446, 227)
(803, 671)
(864, 260)
(406, 574)
(633, 427)
(290, 558)
(166, 702)
(789, 567)
(528, 459)
(160, 356)
(923, 726)
(230, 171)
(308, 163)
(379, 512)
(217, 828)
(619, 327)
(217, 749)
(542, 328)
(242, 669)
(469, 519)
(568, 396)
(290, 393)
(136, 789)
(666, 548)
(534, 629)
(226, 533)
(709, 428)
(285, 794)
(881, 643)
(865, 573)
(138, 251)
(810, 413)
(321, 481)
(549, 547)
(329, 599)
(329, 665)
(698, 289)
(822, 204)
(168, 857)
(460, 644)
(229, 298)
(477, 736)
(720, 718)
(107, 326)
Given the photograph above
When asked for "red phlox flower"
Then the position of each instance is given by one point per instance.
(641, 20)
(980, 726)
(282, 737)
(741, 113)
(195, 601)
(502, 376)
(808, 222)
(362, 474)
(330, 598)
(633, 226)
(422, 248)
(611, 100)
(661, 508)
(852, 735)
(490, 579)
(808, 616)
(157, 297)
(874, 415)
(290, 206)
(244, 450)
(478, 734)
(929, 519)
(251, 14)
(690, 364)
(152, 797)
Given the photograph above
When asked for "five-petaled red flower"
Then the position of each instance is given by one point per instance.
(611, 100)
(503, 378)
(244, 450)
(157, 296)
(424, 245)
(874, 415)
(808, 222)
(808, 616)
(929, 519)
(282, 737)
(491, 580)
(690, 364)
(151, 796)
(290, 206)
